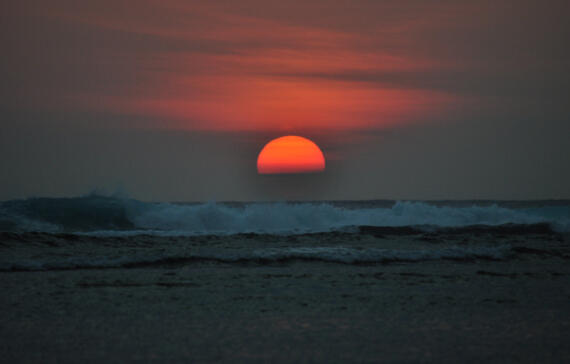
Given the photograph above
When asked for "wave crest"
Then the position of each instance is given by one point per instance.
(116, 216)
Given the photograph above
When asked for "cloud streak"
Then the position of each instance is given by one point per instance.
(204, 66)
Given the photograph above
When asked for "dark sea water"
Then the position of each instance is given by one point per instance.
(99, 278)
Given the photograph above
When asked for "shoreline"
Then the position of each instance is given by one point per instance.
(497, 311)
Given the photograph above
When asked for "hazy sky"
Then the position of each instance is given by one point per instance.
(172, 99)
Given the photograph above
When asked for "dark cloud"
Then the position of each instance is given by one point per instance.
(482, 84)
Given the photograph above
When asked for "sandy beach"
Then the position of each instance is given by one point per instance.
(510, 310)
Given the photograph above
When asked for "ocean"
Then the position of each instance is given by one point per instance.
(98, 278)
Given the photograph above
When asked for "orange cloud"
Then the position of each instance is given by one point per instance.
(202, 66)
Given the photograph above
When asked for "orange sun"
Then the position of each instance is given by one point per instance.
(290, 154)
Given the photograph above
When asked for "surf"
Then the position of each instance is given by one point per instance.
(94, 214)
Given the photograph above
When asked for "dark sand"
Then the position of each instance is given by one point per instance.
(515, 310)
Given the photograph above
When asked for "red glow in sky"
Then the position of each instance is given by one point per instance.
(409, 99)
(199, 66)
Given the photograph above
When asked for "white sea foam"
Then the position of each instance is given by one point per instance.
(311, 217)
(343, 255)
(112, 216)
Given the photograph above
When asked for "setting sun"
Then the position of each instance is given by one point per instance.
(290, 154)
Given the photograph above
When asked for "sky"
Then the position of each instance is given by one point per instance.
(171, 100)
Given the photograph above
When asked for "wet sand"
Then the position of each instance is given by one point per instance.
(515, 310)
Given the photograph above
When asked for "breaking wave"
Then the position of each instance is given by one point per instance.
(111, 216)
